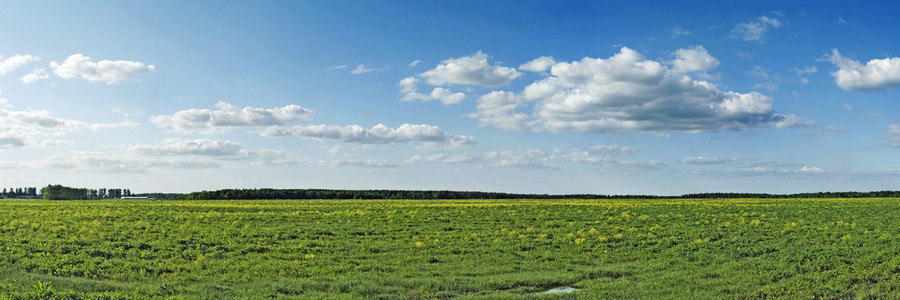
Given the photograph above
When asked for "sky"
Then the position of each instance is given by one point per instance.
(550, 97)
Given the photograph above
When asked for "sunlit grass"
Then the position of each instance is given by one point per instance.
(730, 248)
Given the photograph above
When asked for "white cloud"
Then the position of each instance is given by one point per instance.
(12, 63)
(894, 133)
(359, 163)
(360, 69)
(378, 134)
(3, 101)
(602, 156)
(677, 31)
(338, 67)
(78, 65)
(38, 75)
(611, 150)
(527, 159)
(414, 63)
(606, 157)
(811, 170)
(754, 31)
(498, 109)
(228, 116)
(700, 160)
(628, 93)
(791, 121)
(105, 162)
(219, 149)
(470, 70)
(694, 59)
(805, 70)
(409, 89)
(32, 128)
(45, 120)
(539, 64)
(446, 96)
(875, 75)
(770, 171)
(200, 147)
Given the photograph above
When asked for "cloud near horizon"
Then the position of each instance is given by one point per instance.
(378, 134)
(228, 117)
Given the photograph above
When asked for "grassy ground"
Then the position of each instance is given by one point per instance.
(735, 248)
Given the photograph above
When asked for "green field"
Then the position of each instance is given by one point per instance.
(423, 249)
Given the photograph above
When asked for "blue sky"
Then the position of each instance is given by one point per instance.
(510, 96)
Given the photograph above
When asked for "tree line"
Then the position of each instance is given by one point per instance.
(406, 194)
(59, 192)
(372, 194)
(19, 192)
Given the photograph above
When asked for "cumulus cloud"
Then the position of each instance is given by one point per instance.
(446, 96)
(228, 116)
(409, 89)
(37, 75)
(12, 63)
(378, 134)
(200, 147)
(414, 63)
(628, 93)
(498, 109)
(694, 59)
(109, 71)
(472, 69)
(539, 64)
(754, 31)
(875, 75)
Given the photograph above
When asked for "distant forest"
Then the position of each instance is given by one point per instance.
(59, 192)
(404, 194)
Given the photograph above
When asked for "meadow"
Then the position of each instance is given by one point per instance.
(466, 249)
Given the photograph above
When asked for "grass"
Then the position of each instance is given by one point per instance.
(468, 249)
